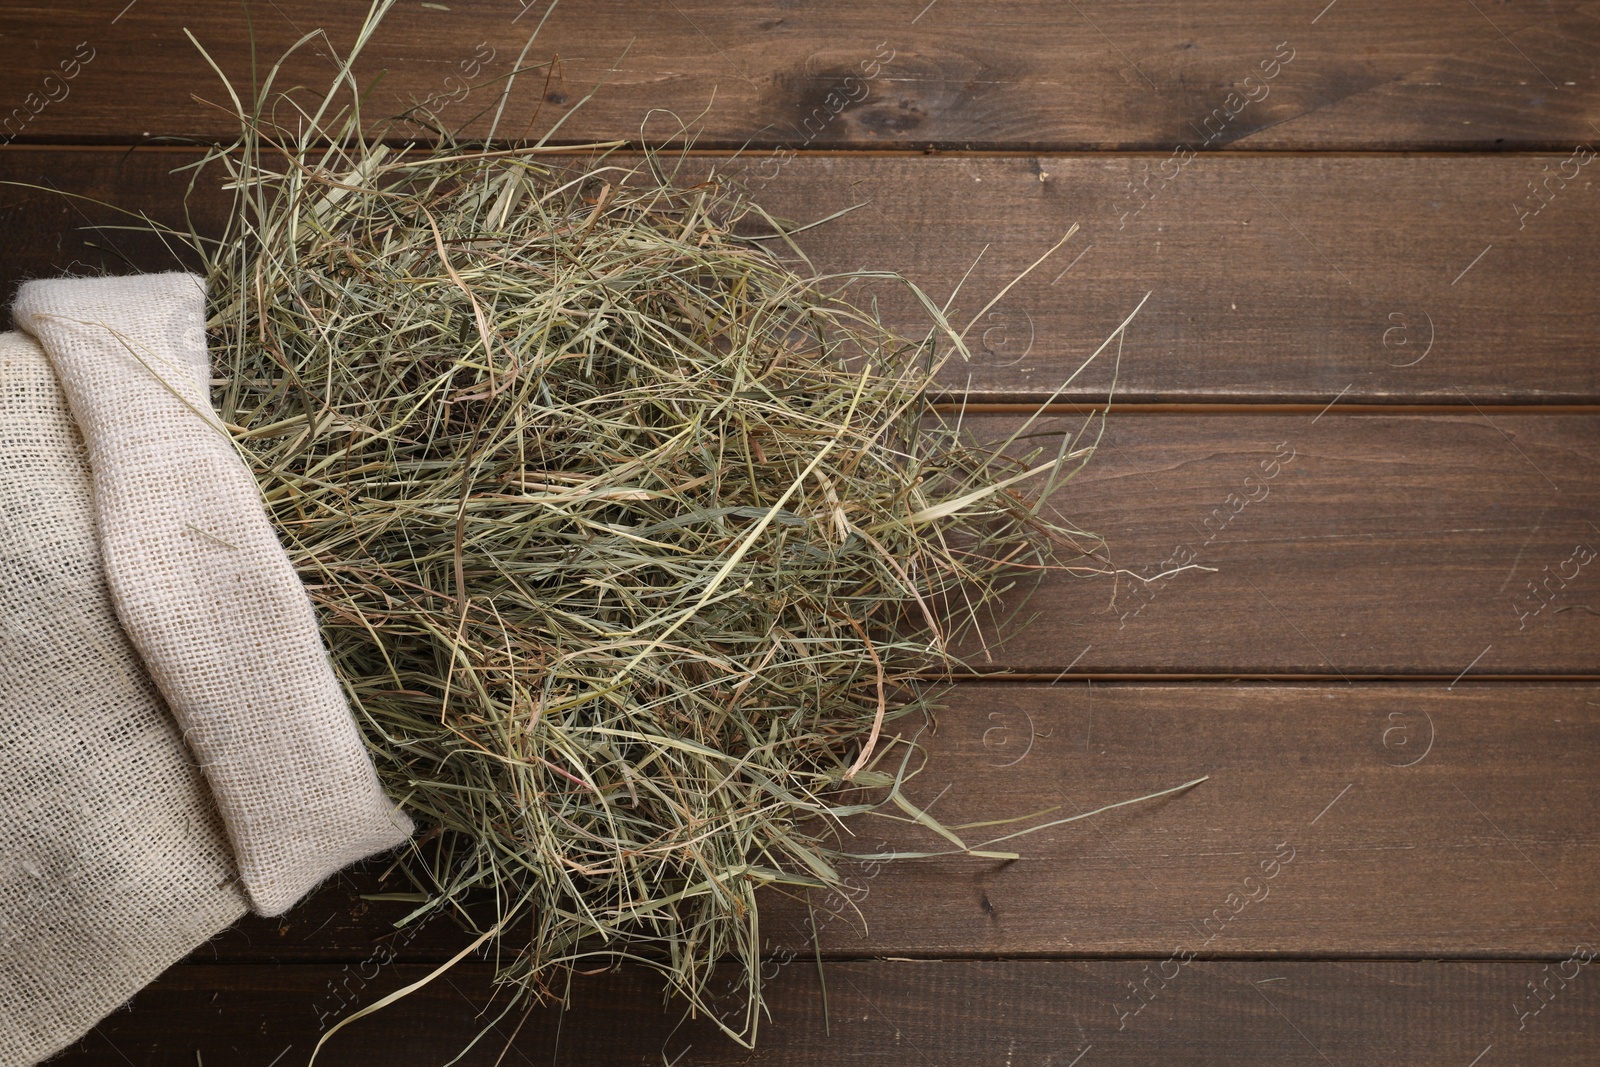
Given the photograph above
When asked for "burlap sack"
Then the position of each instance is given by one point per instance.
(202, 586)
(113, 860)
(173, 741)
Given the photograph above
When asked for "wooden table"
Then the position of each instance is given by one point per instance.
(1362, 392)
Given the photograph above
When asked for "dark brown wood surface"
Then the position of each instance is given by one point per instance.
(1363, 390)
(1342, 545)
(1272, 278)
(1351, 75)
(985, 1014)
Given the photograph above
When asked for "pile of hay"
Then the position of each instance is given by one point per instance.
(629, 542)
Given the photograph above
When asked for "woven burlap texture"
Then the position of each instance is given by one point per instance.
(113, 860)
(203, 587)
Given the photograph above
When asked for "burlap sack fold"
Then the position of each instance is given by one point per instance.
(203, 587)
(113, 861)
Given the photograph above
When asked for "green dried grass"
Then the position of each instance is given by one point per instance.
(631, 545)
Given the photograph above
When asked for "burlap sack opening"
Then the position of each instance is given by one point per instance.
(152, 562)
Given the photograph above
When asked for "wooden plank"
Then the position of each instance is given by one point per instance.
(1313, 836)
(1360, 74)
(1261, 288)
(1342, 546)
(997, 1013)
(1339, 821)
(1262, 282)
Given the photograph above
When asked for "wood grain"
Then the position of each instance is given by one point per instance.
(1312, 836)
(1359, 74)
(1351, 821)
(1262, 287)
(1342, 546)
(1004, 1014)
(1301, 278)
